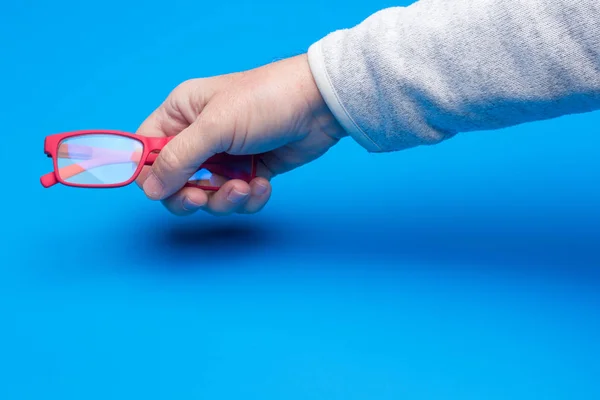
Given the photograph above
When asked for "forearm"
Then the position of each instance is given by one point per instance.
(408, 76)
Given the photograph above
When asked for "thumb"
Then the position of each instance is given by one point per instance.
(181, 157)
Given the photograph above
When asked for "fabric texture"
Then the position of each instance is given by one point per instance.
(417, 75)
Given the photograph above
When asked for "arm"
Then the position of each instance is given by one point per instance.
(408, 76)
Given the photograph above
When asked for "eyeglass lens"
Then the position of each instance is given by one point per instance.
(98, 159)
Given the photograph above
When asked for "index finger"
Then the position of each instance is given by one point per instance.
(179, 110)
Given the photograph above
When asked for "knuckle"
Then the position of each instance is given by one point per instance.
(184, 87)
(192, 94)
(181, 92)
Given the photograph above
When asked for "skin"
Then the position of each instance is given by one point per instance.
(275, 109)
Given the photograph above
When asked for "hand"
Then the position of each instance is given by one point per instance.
(275, 110)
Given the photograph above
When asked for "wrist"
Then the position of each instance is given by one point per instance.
(315, 102)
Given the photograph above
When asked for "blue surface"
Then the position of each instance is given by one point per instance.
(467, 270)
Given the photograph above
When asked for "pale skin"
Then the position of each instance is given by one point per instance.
(275, 110)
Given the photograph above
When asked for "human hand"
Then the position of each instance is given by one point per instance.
(275, 111)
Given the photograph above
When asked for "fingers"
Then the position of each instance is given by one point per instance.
(199, 130)
(180, 108)
(186, 202)
(260, 192)
(235, 196)
(181, 157)
(230, 198)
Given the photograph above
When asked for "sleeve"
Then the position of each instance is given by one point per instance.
(417, 75)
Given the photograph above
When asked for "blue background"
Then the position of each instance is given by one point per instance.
(466, 270)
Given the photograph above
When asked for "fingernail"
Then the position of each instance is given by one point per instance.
(235, 196)
(153, 187)
(260, 189)
(189, 205)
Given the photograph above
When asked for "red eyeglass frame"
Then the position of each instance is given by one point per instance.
(151, 147)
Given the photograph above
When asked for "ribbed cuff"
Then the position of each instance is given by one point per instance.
(316, 62)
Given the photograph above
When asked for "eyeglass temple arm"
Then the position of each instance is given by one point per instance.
(48, 180)
(217, 164)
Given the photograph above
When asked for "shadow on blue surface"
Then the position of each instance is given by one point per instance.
(466, 247)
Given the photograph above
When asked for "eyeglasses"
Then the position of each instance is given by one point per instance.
(110, 159)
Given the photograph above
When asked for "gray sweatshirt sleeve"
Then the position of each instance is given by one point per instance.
(415, 75)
